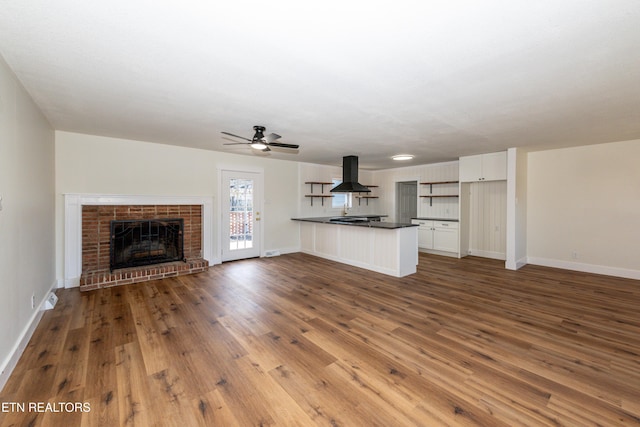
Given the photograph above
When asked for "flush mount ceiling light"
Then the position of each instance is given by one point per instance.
(403, 157)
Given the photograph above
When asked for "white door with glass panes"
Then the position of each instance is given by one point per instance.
(241, 205)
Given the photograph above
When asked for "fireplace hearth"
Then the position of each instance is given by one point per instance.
(135, 243)
(126, 244)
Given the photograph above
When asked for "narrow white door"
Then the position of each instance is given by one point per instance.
(241, 201)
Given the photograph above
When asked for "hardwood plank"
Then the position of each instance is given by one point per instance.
(169, 397)
(323, 396)
(135, 404)
(410, 385)
(38, 365)
(101, 389)
(104, 410)
(150, 324)
(248, 332)
(213, 411)
(247, 403)
(80, 308)
(299, 340)
(71, 373)
(282, 407)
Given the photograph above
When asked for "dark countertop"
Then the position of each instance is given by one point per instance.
(436, 219)
(371, 224)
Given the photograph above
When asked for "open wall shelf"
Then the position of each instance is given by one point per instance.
(328, 196)
(359, 197)
(320, 183)
(432, 196)
(366, 198)
(318, 196)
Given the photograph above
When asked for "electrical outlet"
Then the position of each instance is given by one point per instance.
(33, 301)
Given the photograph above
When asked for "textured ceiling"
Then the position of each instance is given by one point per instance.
(437, 79)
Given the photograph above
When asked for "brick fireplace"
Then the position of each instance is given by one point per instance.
(88, 221)
(96, 226)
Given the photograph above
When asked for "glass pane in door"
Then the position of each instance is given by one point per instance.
(240, 213)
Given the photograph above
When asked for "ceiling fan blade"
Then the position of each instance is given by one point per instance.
(236, 143)
(272, 137)
(279, 144)
(237, 136)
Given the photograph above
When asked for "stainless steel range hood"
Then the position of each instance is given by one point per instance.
(350, 182)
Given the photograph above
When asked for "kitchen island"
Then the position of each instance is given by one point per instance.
(385, 247)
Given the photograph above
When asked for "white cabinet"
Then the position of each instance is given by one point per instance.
(445, 236)
(470, 168)
(425, 233)
(484, 167)
(391, 251)
(494, 166)
(437, 235)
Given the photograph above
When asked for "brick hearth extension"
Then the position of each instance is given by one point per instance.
(95, 244)
(104, 279)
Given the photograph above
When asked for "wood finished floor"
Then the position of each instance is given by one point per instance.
(301, 341)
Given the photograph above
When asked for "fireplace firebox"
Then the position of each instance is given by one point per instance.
(144, 242)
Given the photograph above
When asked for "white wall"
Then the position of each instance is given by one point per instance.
(321, 173)
(441, 208)
(101, 165)
(583, 208)
(386, 190)
(26, 218)
(488, 219)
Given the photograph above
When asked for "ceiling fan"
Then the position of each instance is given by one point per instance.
(261, 142)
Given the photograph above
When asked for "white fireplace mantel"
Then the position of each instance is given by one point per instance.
(73, 224)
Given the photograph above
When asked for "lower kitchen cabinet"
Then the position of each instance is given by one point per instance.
(445, 236)
(437, 236)
(425, 233)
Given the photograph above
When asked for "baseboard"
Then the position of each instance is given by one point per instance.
(521, 263)
(517, 265)
(435, 252)
(71, 283)
(487, 254)
(586, 268)
(12, 359)
(282, 251)
(290, 250)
